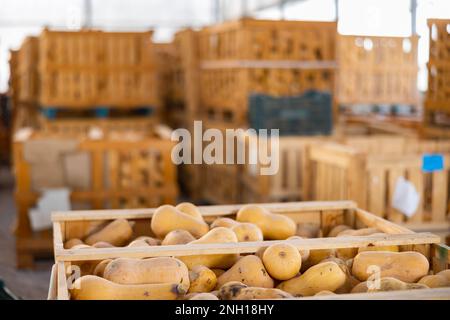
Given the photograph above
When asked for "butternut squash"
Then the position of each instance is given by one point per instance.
(168, 218)
(282, 261)
(144, 242)
(204, 296)
(273, 226)
(324, 293)
(190, 209)
(177, 237)
(72, 242)
(445, 273)
(303, 253)
(95, 288)
(337, 229)
(250, 271)
(247, 232)
(224, 222)
(220, 261)
(218, 272)
(235, 290)
(117, 233)
(323, 276)
(435, 281)
(350, 253)
(386, 284)
(350, 281)
(147, 271)
(100, 268)
(405, 266)
(316, 256)
(102, 244)
(202, 279)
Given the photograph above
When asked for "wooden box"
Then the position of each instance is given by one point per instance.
(366, 170)
(377, 70)
(325, 215)
(123, 174)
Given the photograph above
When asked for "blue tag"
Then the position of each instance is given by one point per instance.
(432, 162)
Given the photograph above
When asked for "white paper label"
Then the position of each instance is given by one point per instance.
(51, 200)
(406, 198)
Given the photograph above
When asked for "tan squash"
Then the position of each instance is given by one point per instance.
(72, 242)
(117, 233)
(168, 218)
(338, 229)
(95, 288)
(282, 261)
(323, 276)
(435, 281)
(316, 256)
(202, 279)
(102, 244)
(204, 296)
(220, 261)
(445, 273)
(249, 270)
(224, 222)
(324, 293)
(218, 272)
(386, 284)
(350, 281)
(406, 266)
(176, 237)
(235, 290)
(190, 209)
(273, 226)
(151, 270)
(100, 268)
(144, 242)
(247, 232)
(350, 253)
(303, 253)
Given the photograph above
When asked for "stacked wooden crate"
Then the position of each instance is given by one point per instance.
(245, 57)
(107, 173)
(437, 103)
(367, 170)
(377, 70)
(280, 58)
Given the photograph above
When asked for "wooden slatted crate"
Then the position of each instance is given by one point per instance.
(377, 70)
(278, 58)
(27, 72)
(436, 106)
(324, 215)
(86, 69)
(120, 174)
(366, 171)
(292, 180)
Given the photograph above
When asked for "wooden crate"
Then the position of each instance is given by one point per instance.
(124, 173)
(278, 58)
(366, 171)
(290, 183)
(439, 40)
(27, 70)
(225, 92)
(377, 70)
(221, 183)
(325, 215)
(85, 69)
(250, 39)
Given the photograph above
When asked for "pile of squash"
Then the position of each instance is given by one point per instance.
(276, 272)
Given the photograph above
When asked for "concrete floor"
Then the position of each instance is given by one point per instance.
(27, 284)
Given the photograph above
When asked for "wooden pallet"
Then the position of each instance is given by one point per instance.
(109, 127)
(366, 171)
(124, 173)
(377, 70)
(323, 214)
(439, 40)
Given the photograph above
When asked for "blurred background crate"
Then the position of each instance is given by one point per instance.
(367, 169)
(437, 101)
(99, 174)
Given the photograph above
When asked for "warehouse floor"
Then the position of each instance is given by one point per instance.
(27, 284)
